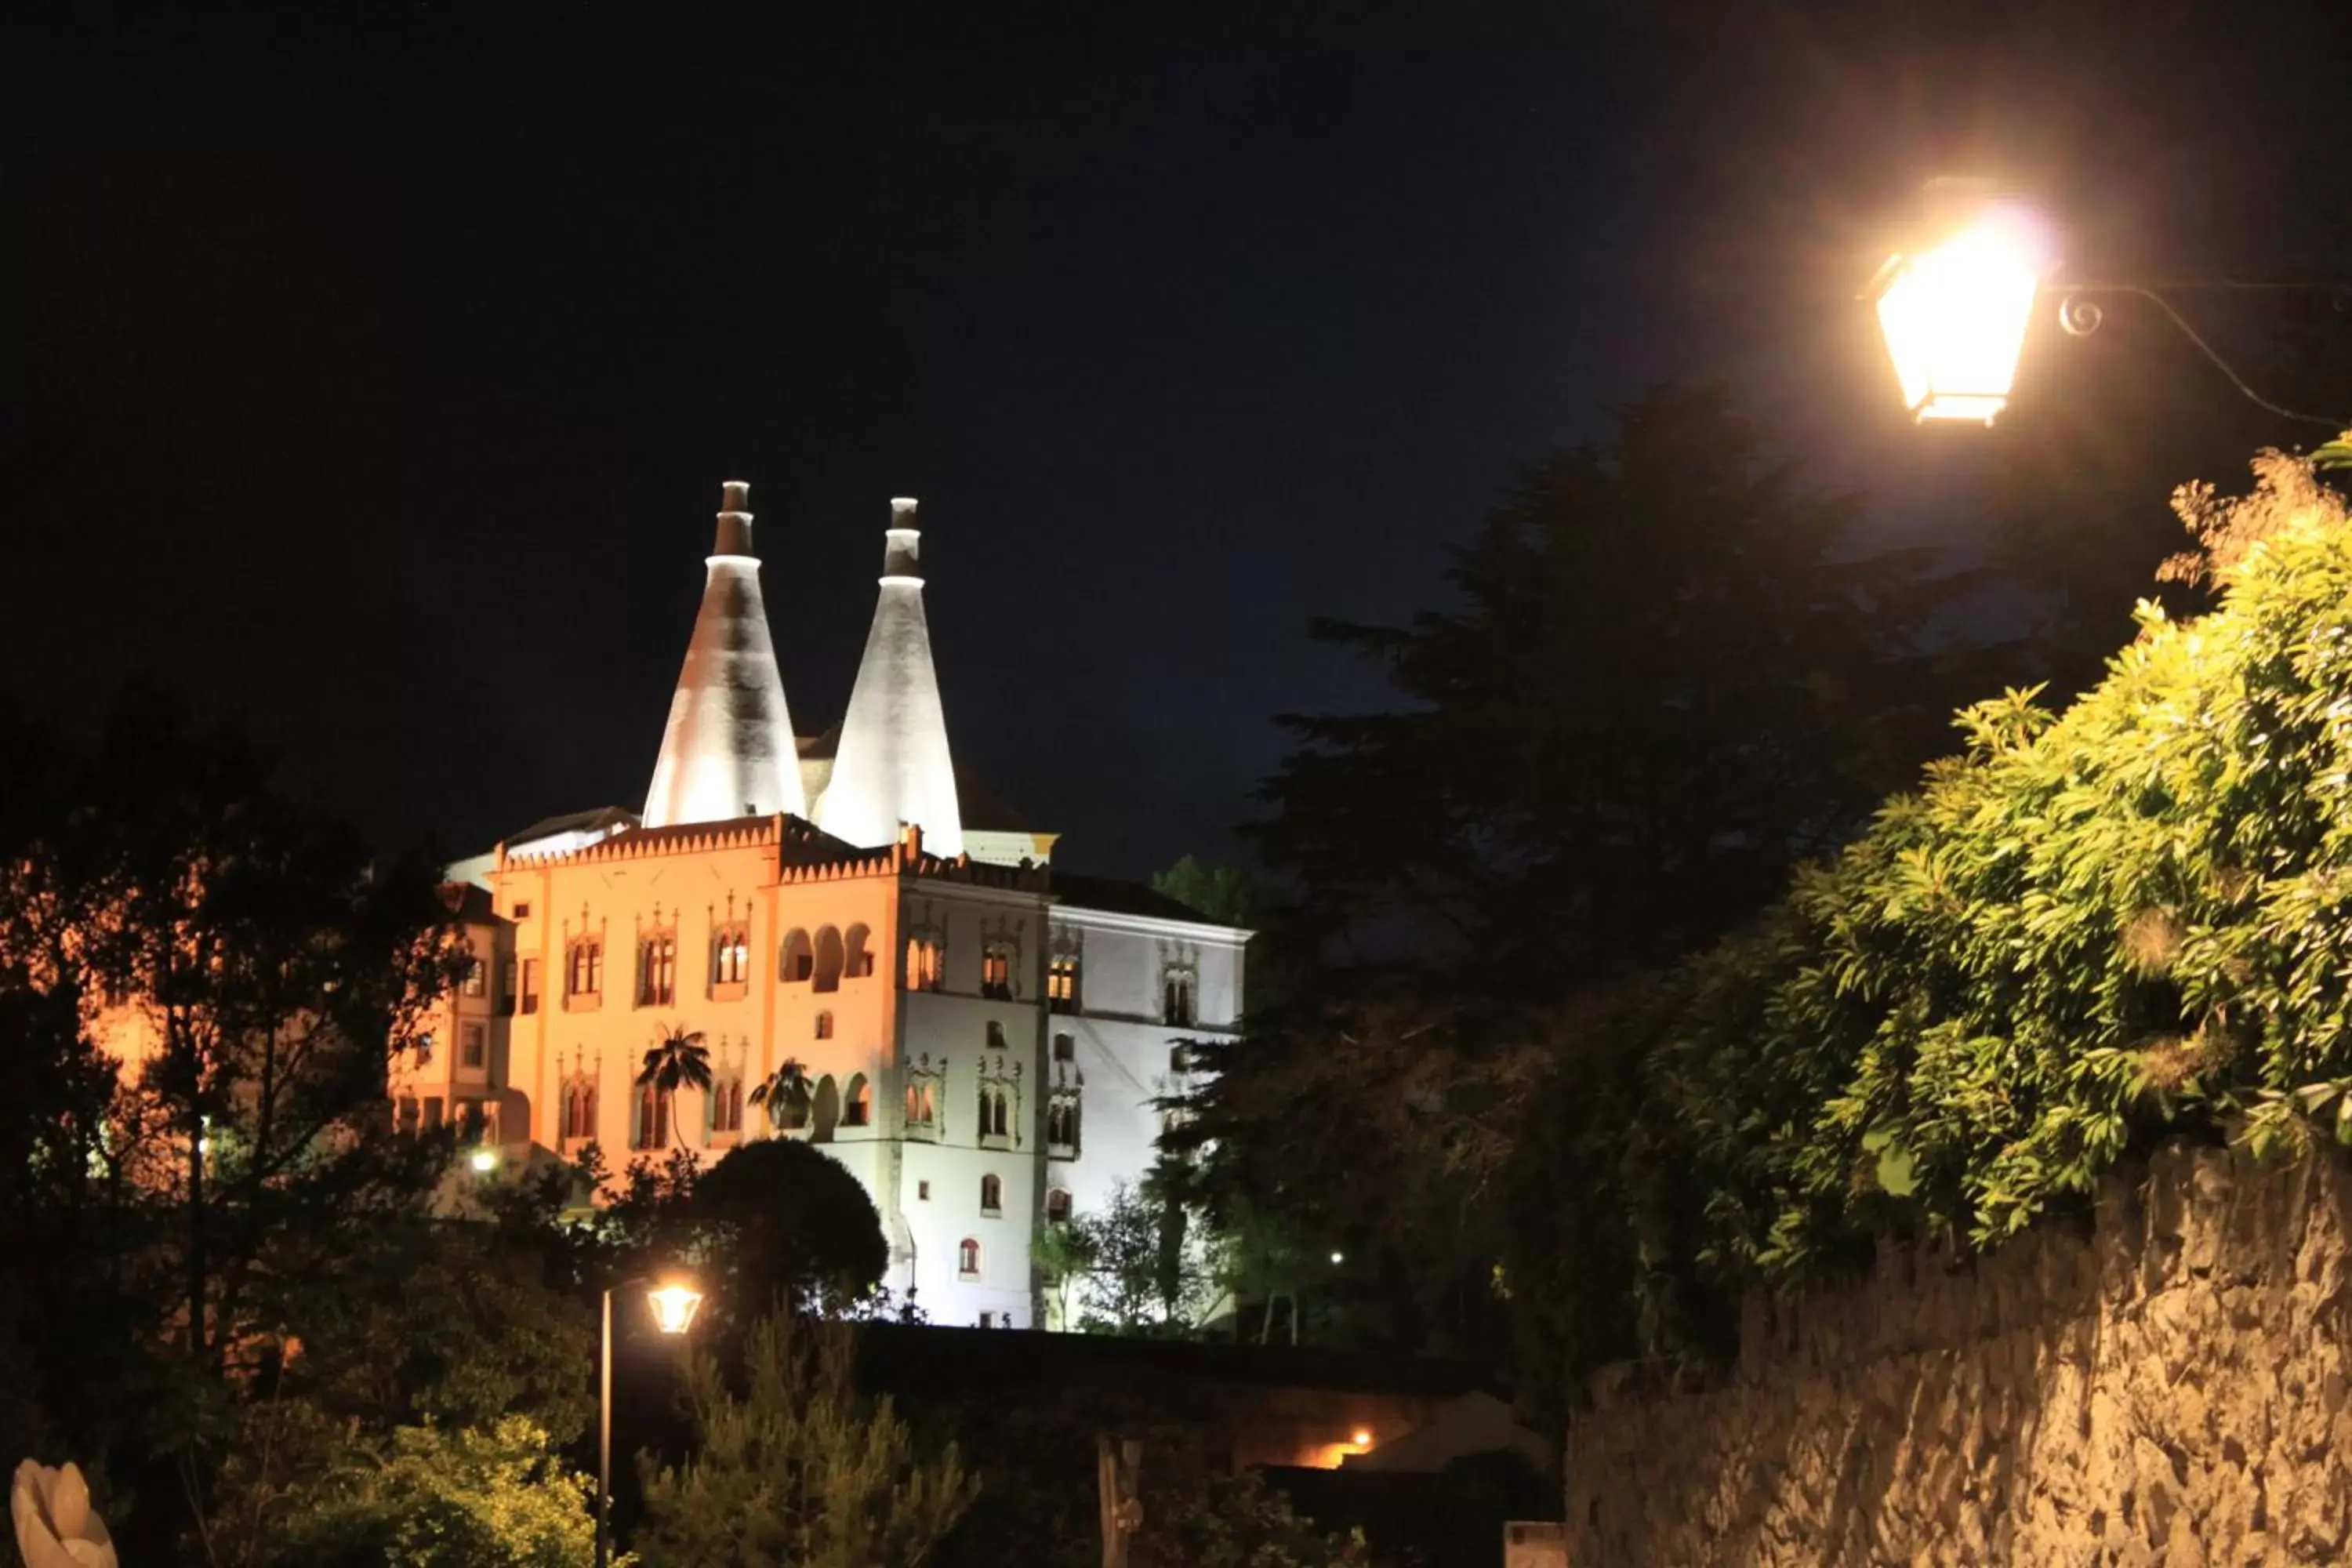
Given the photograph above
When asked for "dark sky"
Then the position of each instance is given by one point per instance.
(372, 372)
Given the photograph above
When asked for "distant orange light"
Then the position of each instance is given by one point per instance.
(1363, 1438)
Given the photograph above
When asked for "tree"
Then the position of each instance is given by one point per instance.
(1220, 893)
(1666, 678)
(1149, 1273)
(785, 1094)
(781, 1219)
(677, 1061)
(1064, 1252)
(799, 1470)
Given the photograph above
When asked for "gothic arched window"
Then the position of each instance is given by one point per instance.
(992, 1195)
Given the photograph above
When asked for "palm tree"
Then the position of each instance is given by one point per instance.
(677, 1061)
(785, 1092)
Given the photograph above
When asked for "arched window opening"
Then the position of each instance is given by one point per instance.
(1062, 982)
(991, 1195)
(968, 1258)
(1179, 997)
(828, 1109)
(730, 956)
(658, 970)
(857, 1105)
(798, 960)
(1057, 1205)
(830, 957)
(926, 963)
(995, 1036)
(727, 1105)
(996, 972)
(653, 1118)
(579, 1110)
(858, 950)
(824, 1025)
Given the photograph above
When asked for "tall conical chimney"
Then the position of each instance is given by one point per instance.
(727, 749)
(894, 766)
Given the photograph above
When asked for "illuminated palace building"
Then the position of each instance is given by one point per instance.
(982, 1035)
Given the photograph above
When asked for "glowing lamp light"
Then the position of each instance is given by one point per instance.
(1955, 316)
(1361, 1437)
(674, 1307)
(484, 1161)
(1338, 1258)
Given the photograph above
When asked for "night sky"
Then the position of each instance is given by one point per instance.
(372, 373)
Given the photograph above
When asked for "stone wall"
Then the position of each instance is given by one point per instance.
(2166, 1385)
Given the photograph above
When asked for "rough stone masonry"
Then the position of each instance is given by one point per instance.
(2171, 1387)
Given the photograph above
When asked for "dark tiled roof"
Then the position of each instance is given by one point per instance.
(469, 903)
(1115, 897)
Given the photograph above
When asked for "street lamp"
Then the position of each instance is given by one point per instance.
(1954, 310)
(1955, 314)
(674, 1304)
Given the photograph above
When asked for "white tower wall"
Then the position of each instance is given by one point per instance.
(892, 766)
(727, 749)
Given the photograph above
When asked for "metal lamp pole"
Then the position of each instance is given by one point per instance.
(674, 1307)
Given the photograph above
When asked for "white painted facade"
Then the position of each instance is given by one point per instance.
(1114, 1050)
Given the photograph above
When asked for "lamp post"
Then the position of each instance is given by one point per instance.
(1954, 309)
(674, 1306)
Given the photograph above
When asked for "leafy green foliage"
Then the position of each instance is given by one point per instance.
(799, 1469)
(1207, 1518)
(778, 1218)
(2093, 929)
(430, 1497)
(1140, 1265)
(1225, 894)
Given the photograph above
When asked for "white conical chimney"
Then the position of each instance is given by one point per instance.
(892, 766)
(727, 749)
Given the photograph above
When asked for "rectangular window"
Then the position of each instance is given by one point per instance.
(658, 971)
(923, 1192)
(653, 1118)
(506, 997)
(1177, 990)
(476, 979)
(472, 1040)
(922, 964)
(730, 956)
(1062, 982)
(433, 1113)
(996, 972)
(522, 911)
(727, 1105)
(530, 985)
(584, 976)
(1066, 1048)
